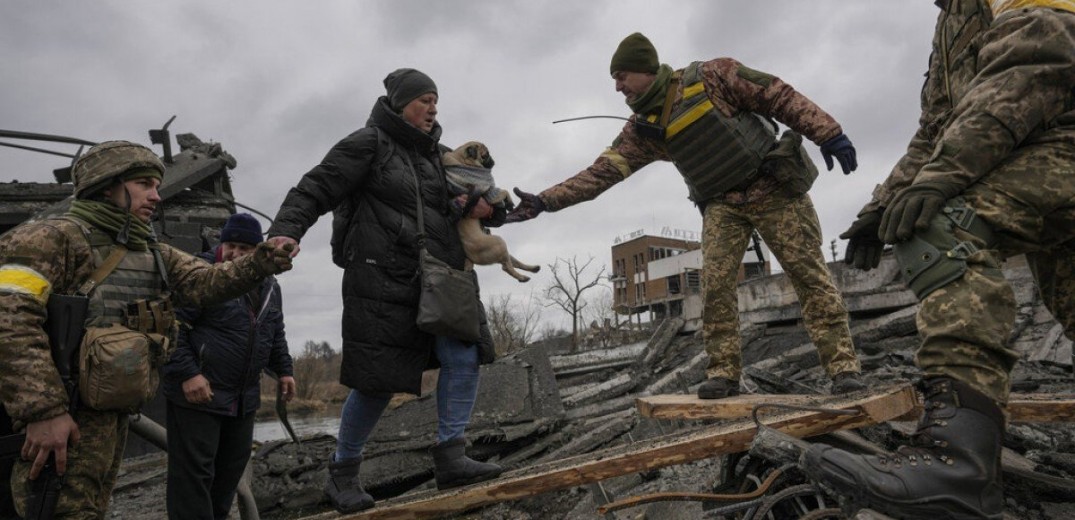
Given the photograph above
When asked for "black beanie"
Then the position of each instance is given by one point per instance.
(241, 227)
(635, 54)
(405, 85)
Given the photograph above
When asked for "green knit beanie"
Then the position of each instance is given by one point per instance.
(635, 54)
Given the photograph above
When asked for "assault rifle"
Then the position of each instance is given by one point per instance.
(65, 327)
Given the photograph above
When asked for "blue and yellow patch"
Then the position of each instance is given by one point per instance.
(20, 279)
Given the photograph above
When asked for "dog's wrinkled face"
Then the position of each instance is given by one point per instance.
(479, 153)
(472, 153)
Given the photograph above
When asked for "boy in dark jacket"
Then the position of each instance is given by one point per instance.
(211, 382)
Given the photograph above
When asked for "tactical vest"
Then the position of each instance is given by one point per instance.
(134, 294)
(713, 152)
(130, 328)
(135, 278)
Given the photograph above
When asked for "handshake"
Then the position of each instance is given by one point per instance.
(274, 255)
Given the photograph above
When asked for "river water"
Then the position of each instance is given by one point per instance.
(326, 422)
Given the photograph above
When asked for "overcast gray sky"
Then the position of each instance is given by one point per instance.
(278, 83)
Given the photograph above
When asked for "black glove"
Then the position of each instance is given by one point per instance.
(530, 206)
(863, 246)
(913, 208)
(841, 147)
(270, 260)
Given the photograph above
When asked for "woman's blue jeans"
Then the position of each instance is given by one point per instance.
(457, 387)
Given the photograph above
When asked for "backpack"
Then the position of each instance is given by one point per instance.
(343, 214)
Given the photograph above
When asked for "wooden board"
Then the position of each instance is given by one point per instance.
(730, 437)
(684, 406)
(1041, 408)
(1021, 407)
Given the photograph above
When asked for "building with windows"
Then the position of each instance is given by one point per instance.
(660, 276)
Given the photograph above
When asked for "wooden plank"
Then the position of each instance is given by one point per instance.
(1021, 407)
(689, 406)
(680, 448)
(1041, 408)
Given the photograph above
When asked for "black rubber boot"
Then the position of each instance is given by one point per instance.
(847, 382)
(950, 470)
(343, 487)
(718, 388)
(452, 468)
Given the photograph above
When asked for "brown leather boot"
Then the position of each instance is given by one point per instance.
(950, 470)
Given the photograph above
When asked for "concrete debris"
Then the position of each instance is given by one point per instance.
(548, 403)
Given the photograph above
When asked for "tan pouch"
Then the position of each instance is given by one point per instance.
(117, 369)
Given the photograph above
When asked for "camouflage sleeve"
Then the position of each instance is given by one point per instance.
(628, 153)
(1026, 70)
(733, 87)
(197, 283)
(35, 261)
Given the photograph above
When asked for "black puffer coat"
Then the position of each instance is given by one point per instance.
(383, 350)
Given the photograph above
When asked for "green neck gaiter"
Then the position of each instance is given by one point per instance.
(115, 221)
(651, 101)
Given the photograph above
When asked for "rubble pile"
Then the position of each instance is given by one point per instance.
(547, 404)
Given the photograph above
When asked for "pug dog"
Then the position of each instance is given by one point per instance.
(469, 170)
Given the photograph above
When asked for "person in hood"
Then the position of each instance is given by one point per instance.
(212, 384)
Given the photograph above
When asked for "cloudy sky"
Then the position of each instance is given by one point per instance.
(278, 83)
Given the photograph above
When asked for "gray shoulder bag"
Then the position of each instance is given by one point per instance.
(448, 304)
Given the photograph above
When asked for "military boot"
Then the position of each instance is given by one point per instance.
(343, 487)
(452, 468)
(950, 470)
(718, 388)
(847, 382)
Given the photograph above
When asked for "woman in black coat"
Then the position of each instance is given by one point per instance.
(372, 173)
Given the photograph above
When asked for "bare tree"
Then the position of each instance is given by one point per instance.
(601, 316)
(317, 365)
(512, 324)
(570, 281)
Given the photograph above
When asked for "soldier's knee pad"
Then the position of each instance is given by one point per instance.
(934, 258)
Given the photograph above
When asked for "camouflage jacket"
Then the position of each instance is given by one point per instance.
(992, 86)
(732, 88)
(57, 252)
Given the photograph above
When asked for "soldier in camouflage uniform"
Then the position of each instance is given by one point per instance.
(712, 120)
(115, 196)
(990, 174)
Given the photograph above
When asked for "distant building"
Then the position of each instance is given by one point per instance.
(661, 275)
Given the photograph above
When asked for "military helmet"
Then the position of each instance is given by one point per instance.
(108, 160)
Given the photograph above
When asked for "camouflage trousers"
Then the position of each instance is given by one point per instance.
(1029, 202)
(790, 227)
(92, 467)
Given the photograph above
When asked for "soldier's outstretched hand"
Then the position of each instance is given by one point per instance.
(530, 206)
(282, 241)
(841, 148)
(271, 259)
(46, 437)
